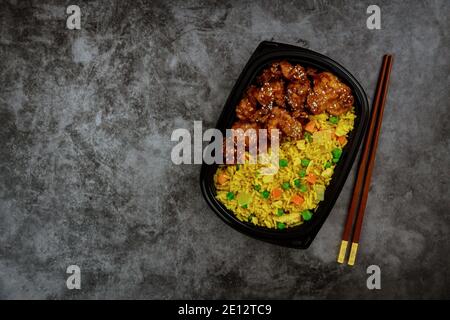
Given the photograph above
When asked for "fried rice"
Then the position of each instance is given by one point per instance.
(289, 197)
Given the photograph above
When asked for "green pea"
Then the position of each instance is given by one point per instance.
(281, 225)
(283, 163)
(257, 187)
(305, 162)
(308, 137)
(334, 119)
(303, 188)
(327, 165)
(306, 215)
(297, 183)
(245, 206)
(285, 185)
(265, 194)
(230, 195)
(335, 160)
(280, 212)
(302, 173)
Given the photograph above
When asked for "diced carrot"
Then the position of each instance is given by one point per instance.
(342, 140)
(276, 193)
(296, 199)
(333, 135)
(310, 126)
(222, 178)
(311, 178)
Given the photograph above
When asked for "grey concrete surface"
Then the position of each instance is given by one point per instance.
(85, 171)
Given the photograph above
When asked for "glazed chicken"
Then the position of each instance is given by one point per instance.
(330, 95)
(247, 106)
(245, 109)
(269, 74)
(244, 126)
(284, 97)
(296, 94)
(230, 145)
(271, 93)
(291, 72)
(282, 120)
(261, 115)
(297, 90)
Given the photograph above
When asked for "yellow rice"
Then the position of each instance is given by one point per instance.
(244, 177)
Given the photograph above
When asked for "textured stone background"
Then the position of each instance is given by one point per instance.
(85, 171)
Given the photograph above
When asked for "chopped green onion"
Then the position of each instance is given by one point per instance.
(335, 160)
(245, 206)
(257, 187)
(302, 173)
(230, 195)
(327, 165)
(283, 163)
(237, 167)
(305, 162)
(308, 137)
(281, 225)
(280, 212)
(306, 215)
(336, 152)
(250, 217)
(285, 185)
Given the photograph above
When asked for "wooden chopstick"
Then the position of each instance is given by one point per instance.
(362, 184)
(373, 151)
(362, 166)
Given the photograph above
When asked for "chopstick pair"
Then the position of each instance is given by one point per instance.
(361, 189)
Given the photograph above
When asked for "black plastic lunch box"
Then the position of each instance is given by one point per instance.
(267, 52)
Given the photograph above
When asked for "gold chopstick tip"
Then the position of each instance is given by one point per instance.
(342, 251)
(353, 250)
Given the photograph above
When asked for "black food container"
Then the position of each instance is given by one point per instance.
(266, 53)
